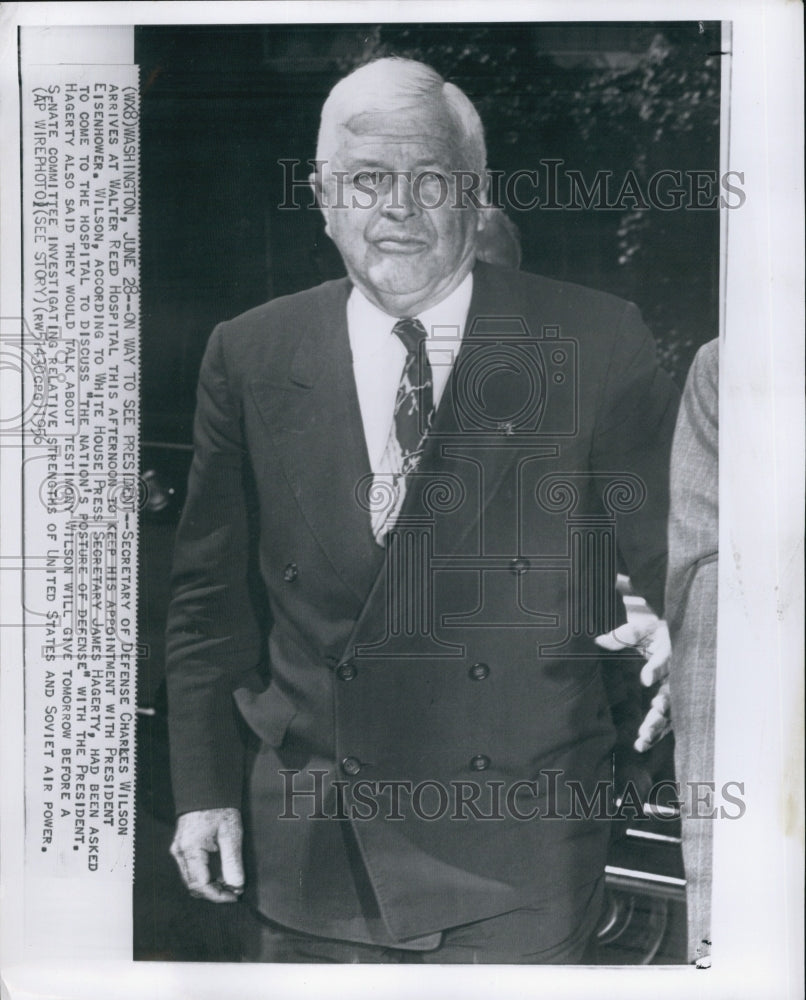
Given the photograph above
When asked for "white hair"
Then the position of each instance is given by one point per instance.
(395, 84)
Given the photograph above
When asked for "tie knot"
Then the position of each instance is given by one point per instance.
(411, 332)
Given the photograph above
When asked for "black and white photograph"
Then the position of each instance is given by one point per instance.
(402, 563)
(408, 549)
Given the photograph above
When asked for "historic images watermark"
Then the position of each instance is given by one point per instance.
(552, 186)
(312, 794)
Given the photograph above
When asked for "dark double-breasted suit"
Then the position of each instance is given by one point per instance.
(458, 660)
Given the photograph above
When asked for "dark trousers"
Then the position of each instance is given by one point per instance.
(526, 936)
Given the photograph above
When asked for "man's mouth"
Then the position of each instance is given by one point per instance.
(400, 244)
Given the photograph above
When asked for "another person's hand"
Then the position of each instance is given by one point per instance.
(657, 722)
(650, 637)
(200, 834)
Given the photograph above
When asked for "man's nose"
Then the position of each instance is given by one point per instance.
(399, 202)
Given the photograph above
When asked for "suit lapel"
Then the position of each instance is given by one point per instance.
(314, 417)
(466, 460)
(313, 414)
(468, 451)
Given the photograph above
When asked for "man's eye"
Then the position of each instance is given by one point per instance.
(366, 178)
(435, 179)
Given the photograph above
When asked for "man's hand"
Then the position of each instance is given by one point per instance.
(200, 834)
(657, 722)
(650, 637)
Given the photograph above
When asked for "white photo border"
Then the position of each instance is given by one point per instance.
(758, 862)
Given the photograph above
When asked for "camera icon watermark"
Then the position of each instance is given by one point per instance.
(508, 381)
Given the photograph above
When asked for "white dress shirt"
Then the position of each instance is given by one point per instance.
(379, 356)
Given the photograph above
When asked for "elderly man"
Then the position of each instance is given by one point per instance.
(410, 492)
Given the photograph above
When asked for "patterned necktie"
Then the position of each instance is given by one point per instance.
(414, 410)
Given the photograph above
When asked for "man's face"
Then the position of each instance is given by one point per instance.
(393, 206)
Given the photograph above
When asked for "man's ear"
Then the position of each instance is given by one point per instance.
(483, 216)
(320, 193)
(486, 206)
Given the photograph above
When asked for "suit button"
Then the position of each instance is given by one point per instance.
(480, 762)
(290, 573)
(519, 566)
(478, 672)
(351, 766)
(346, 671)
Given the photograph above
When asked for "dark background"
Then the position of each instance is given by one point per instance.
(221, 106)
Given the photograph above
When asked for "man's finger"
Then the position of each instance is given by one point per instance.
(230, 837)
(194, 870)
(194, 864)
(658, 720)
(655, 668)
(214, 892)
(654, 734)
(654, 727)
(627, 636)
(663, 699)
(200, 886)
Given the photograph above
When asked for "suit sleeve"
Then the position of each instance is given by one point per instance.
(635, 424)
(213, 633)
(691, 604)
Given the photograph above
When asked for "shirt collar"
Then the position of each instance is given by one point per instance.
(369, 326)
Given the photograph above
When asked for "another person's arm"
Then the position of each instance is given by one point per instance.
(691, 600)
